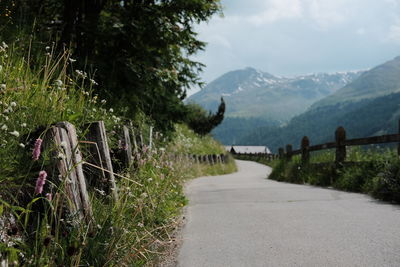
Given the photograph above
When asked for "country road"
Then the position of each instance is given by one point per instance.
(243, 219)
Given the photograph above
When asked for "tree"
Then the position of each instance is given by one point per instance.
(201, 122)
(140, 50)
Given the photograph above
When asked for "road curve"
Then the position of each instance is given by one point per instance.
(243, 219)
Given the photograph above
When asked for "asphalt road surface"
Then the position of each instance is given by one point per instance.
(243, 219)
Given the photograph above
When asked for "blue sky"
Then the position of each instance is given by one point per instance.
(293, 37)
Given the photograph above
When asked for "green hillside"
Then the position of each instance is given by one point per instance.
(381, 80)
(360, 119)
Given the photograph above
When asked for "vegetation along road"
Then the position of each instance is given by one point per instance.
(243, 219)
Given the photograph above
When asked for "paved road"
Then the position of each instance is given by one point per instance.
(243, 219)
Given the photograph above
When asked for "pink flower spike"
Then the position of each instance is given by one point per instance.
(41, 180)
(36, 150)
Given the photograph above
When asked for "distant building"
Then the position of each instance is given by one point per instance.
(248, 149)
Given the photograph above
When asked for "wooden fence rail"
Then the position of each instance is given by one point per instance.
(340, 144)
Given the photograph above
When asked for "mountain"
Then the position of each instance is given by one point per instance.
(250, 93)
(365, 107)
(379, 81)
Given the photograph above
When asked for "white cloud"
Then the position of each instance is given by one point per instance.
(276, 10)
(394, 32)
(327, 13)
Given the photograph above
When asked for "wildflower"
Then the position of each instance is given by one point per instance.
(58, 83)
(22, 145)
(71, 60)
(36, 150)
(47, 48)
(40, 182)
(23, 125)
(140, 224)
(15, 133)
(144, 195)
(4, 127)
(93, 82)
(111, 110)
(4, 45)
(103, 101)
(13, 104)
(3, 86)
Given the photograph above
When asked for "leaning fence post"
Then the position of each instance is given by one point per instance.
(340, 136)
(100, 157)
(127, 147)
(69, 167)
(289, 150)
(305, 153)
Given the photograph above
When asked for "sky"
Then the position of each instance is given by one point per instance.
(295, 37)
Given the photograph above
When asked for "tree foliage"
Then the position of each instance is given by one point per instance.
(140, 50)
(201, 122)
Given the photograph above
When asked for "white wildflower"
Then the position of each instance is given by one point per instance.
(23, 125)
(4, 45)
(93, 82)
(111, 110)
(71, 60)
(15, 133)
(60, 156)
(3, 86)
(13, 104)
(143, 195)
(47, 48)
(22, 145)
(103, 101)
(58, 83)
(4, 127)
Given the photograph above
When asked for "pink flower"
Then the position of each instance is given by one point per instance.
(49, 196)
(36, 150)
(41, 180)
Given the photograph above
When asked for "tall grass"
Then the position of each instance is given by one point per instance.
(373, 171)
(37, 91)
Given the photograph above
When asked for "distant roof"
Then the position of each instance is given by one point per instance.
(248, 149)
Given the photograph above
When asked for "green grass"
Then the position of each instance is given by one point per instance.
(374, 171)
(126, 232)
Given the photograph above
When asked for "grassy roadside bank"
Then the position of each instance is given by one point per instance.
(375, 172)
(126, 232)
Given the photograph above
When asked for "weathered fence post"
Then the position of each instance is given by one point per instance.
(289, 150)
(135, 146)
(281, 152)
(340, 136)
(127, 147)
(151, 137)
(305, 153)
(69, 161)
(100, 157)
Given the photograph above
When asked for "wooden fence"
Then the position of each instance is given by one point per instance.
(340, 144)
(98, 168)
